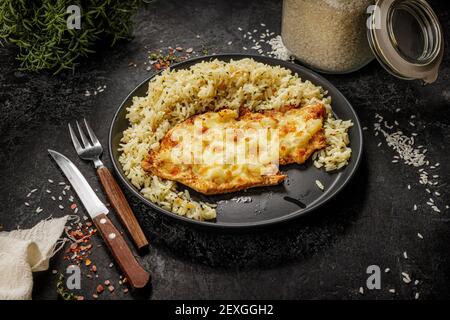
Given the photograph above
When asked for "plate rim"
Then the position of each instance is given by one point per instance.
(240, 225)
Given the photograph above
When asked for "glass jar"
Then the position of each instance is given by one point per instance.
(407, 39)
(341, 36)
(328, 35)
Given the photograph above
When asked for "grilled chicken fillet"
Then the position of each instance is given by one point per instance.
(227, 151)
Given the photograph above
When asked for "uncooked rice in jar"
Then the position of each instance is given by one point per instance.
(328, 35)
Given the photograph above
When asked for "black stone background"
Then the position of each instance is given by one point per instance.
(324, 255)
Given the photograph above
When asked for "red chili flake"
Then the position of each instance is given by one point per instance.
(77, 234)
(86, 248)
(94, 268)
(107, 282)
(111, 288)
(73, 206)
(100, 289)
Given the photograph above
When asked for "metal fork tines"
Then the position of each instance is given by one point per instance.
(91, 149)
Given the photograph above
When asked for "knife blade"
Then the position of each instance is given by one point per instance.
(84, 191)
(122, 253)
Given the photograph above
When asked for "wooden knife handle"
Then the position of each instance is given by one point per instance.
(121, 206)
(137, 276)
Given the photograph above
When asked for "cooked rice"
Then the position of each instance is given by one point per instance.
(176, 95)
(337, 152)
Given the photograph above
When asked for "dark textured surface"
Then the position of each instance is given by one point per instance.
(324, 255)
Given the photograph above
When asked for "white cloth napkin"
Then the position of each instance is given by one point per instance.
(23, 252)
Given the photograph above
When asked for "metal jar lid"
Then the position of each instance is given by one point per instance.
(406, 38)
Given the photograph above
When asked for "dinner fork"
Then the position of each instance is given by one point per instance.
(92, 150)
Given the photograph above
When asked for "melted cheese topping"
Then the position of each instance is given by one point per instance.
(224, 148)
(218, 147)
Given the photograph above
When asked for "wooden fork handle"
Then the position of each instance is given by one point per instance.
(121, 206)
(134, 272)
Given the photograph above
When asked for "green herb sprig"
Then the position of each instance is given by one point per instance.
(39, 29)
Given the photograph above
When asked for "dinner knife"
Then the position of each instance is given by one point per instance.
(122, 253)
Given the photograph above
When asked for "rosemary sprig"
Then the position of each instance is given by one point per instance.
(39, 29)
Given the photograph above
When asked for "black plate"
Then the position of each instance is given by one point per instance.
(268, 205)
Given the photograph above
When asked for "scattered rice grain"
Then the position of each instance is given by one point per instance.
(320, 185)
